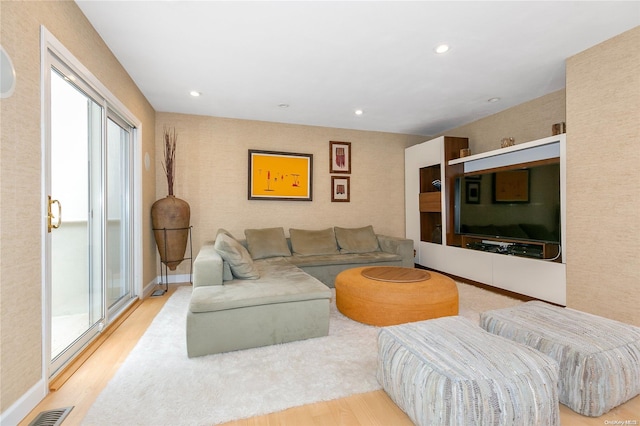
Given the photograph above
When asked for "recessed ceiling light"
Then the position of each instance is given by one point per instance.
(359, 112)
(492, 100)
(195, 93)
(442, 48)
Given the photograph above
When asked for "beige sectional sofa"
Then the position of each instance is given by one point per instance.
(268, 288)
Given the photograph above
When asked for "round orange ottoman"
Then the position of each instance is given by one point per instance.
(390, 295)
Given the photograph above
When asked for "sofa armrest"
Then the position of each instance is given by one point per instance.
(207, 267)
(399, 246)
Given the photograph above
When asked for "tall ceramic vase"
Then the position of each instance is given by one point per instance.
(170, 219)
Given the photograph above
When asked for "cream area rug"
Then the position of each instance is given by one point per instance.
(159, 385)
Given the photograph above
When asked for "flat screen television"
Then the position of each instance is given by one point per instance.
(518, 204)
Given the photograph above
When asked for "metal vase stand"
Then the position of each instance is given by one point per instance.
(164, 269)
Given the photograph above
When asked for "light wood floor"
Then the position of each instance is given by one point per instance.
(368, 409)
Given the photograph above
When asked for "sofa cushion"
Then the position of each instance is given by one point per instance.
(267, 242)
(280, 282)
(343, 259)
(238, 257)
(227, 275)
(224, 231)
(357, 240)
(307, 243)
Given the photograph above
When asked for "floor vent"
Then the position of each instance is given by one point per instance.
(51, 417)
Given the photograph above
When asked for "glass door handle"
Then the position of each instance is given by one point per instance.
(51, 216)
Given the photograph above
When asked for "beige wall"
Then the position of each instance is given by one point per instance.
(602, 109)
(212, 161)
(20, 179)
(603, 178)
(526, 122)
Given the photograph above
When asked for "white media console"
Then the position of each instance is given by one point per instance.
(539, 278)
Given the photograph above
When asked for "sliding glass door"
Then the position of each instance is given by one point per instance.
(118, 225)
(88, 242)
(74, 217)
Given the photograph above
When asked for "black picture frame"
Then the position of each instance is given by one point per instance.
(472, 195)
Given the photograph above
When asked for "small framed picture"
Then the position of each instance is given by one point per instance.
(340, 155)
(340, 189)
(473, 192)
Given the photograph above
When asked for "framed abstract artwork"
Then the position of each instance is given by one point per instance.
(340, 156)
(280, 176)
(340, 189)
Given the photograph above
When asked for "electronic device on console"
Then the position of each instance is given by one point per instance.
(516, 249)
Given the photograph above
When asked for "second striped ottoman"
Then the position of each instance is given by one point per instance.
(599, 358)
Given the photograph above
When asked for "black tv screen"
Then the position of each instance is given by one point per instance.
(521, 204)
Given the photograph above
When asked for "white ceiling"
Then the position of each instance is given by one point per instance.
(326, 59)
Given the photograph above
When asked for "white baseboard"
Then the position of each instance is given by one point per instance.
(23, 406)
(149, 288)
(172, 279)
(176, 279)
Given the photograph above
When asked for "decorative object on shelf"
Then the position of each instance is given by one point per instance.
(340, 189)
(340, 156)
(170, 215)
(505, 142)
(437, 184)
(436, 235)
(284, 176)
(558, 128)
(465, 152)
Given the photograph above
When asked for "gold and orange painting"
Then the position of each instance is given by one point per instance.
(280, 176)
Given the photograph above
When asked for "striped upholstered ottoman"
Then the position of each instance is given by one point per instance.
(449, 371)
(599, 358)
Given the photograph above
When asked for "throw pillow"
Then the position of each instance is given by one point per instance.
(306, 243)
(224, 231)
(227, 275)
(357, 240)
(238, 257)
(267, 242)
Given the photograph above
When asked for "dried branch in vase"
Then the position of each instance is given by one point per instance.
(170, 139)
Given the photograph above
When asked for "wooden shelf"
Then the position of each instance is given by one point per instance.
(431, 198)
(429, 222)
(427, 176)
(507, 150)
(430, 202)
(451, 151)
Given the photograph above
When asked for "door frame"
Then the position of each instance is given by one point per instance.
(49, 43)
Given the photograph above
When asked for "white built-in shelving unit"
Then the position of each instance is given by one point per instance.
(540, 278)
